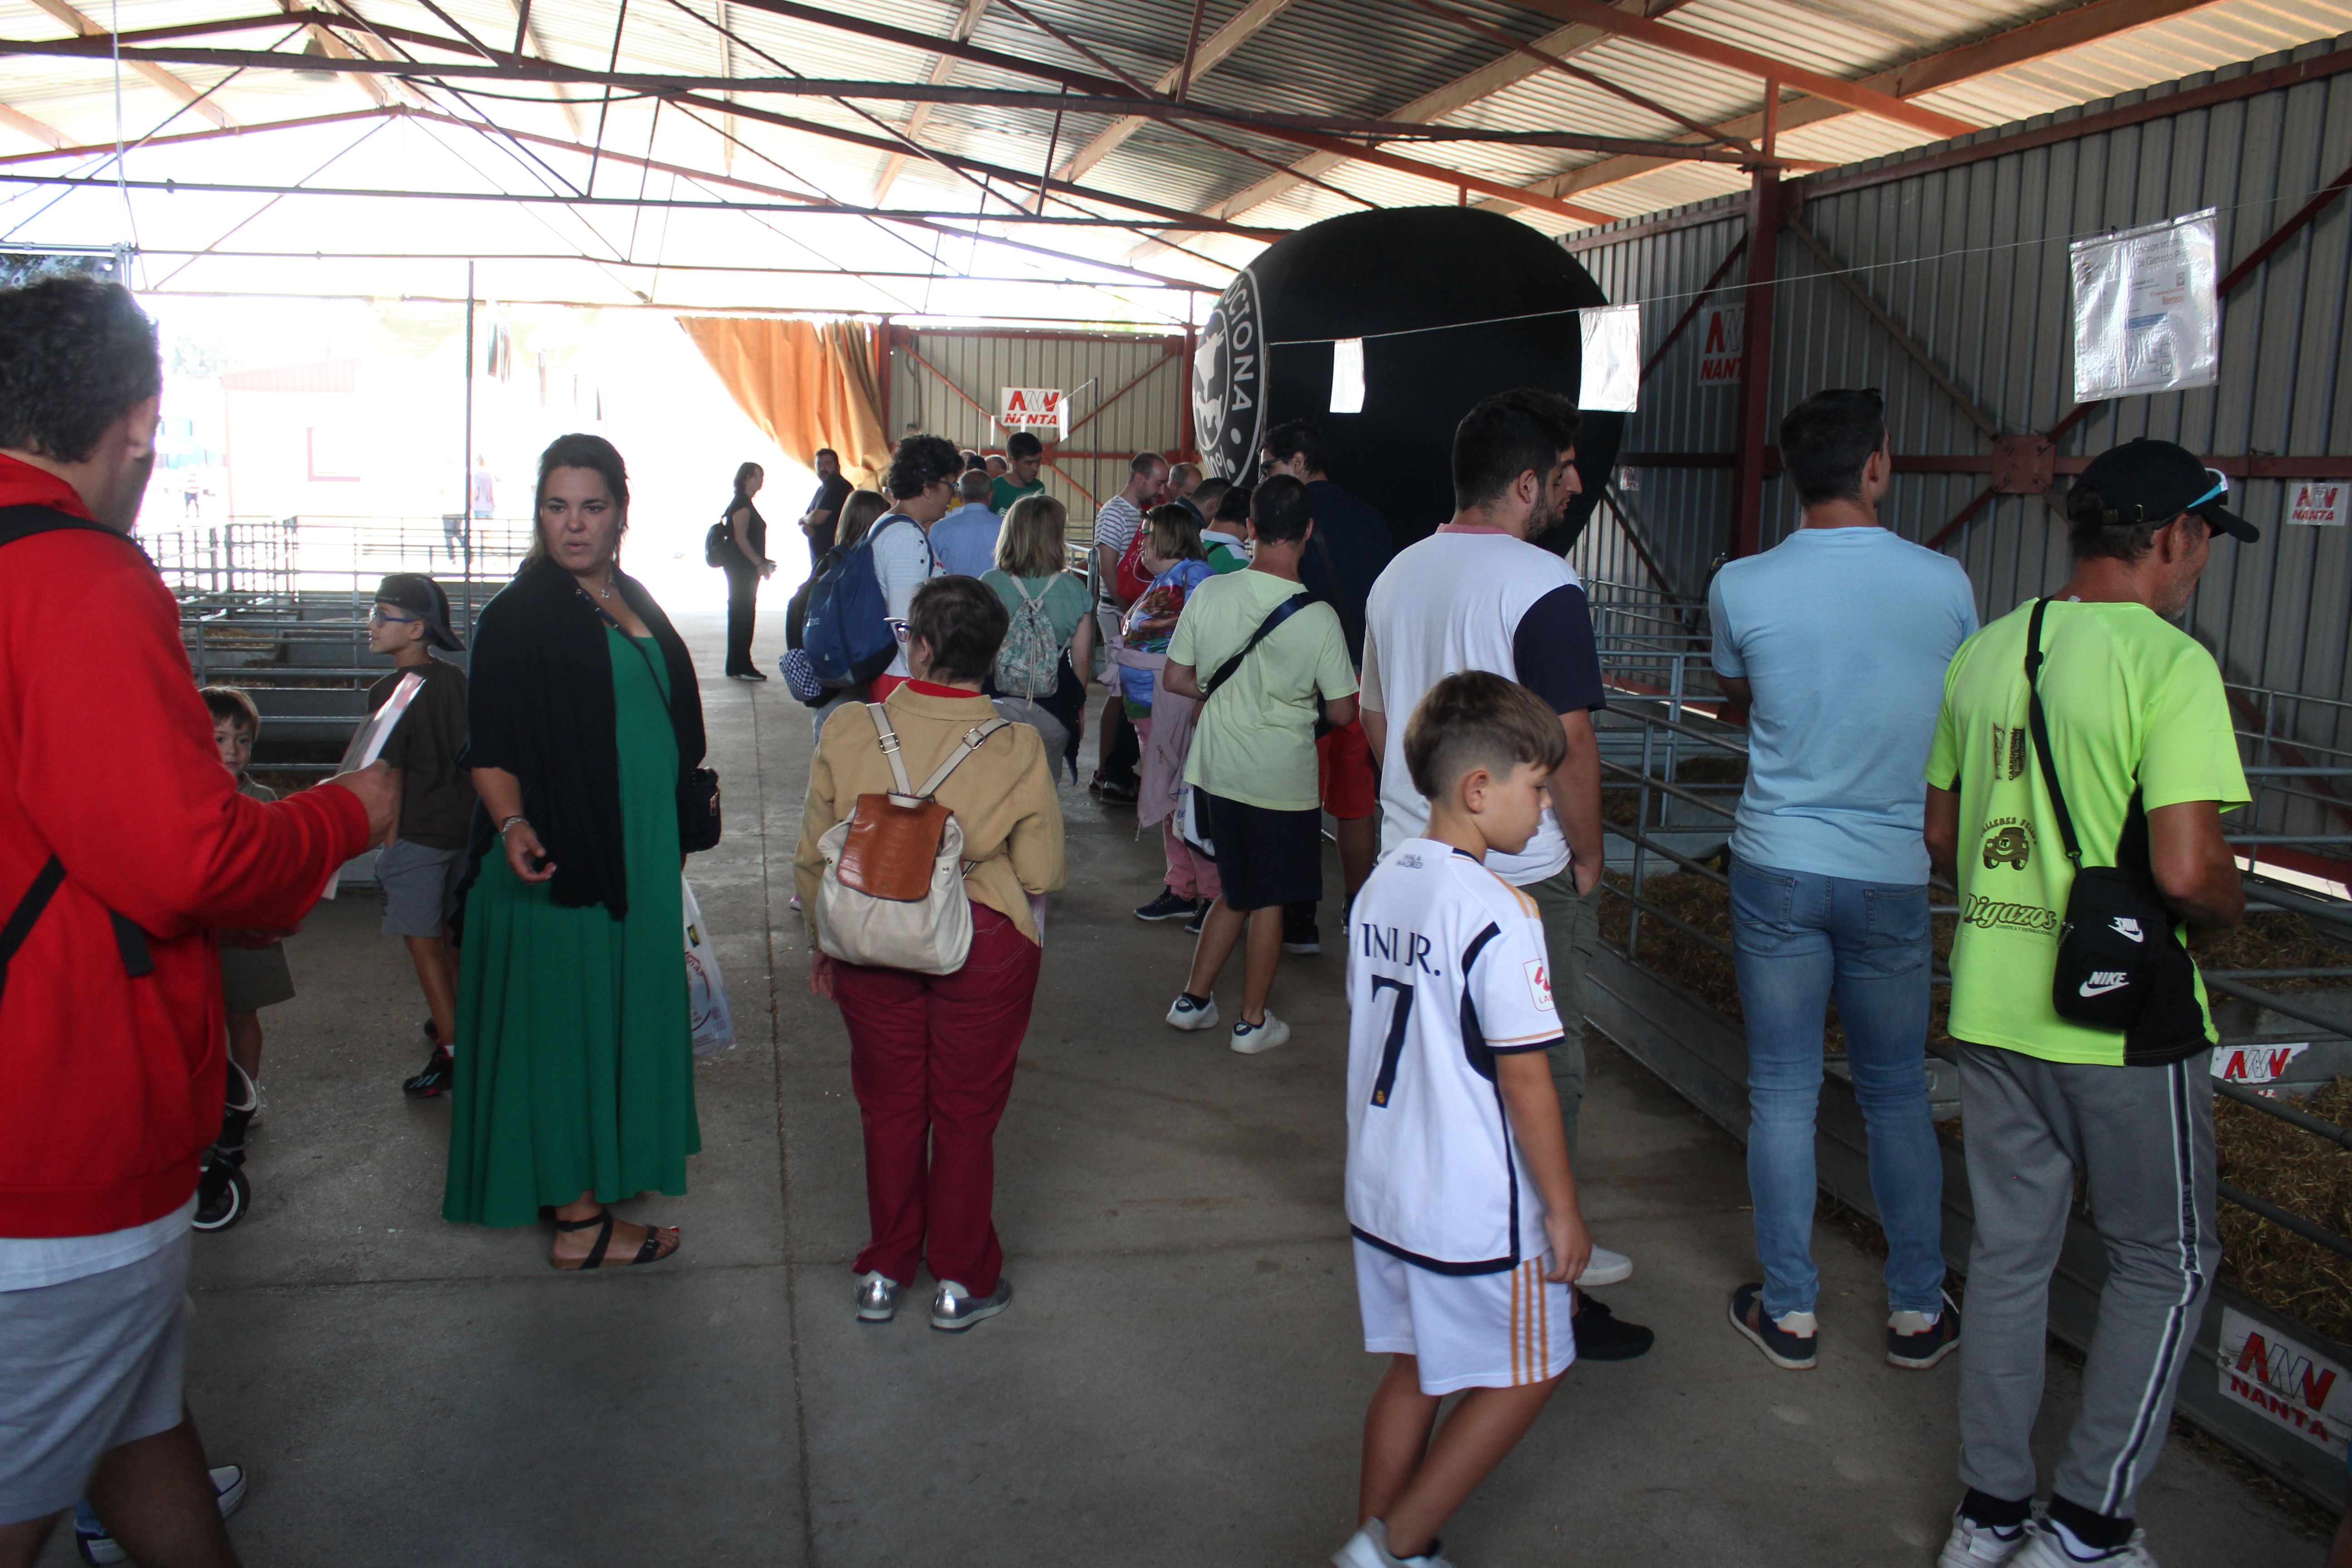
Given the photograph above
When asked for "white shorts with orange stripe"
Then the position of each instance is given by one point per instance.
(1468, 1331)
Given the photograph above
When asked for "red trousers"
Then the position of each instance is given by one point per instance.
(930, 1060)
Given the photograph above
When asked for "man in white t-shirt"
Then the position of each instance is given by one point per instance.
(1460, 1192)
(1476, 595)
(921, 481)
(1115, 522)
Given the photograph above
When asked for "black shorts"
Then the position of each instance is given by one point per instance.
(1265, 858)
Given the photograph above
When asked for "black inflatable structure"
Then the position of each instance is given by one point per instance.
(1265, 356)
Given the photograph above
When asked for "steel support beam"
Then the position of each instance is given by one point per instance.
(1484, 82)
(84, 28)
(1912, 347)
(921, 115)
(1755, 361)
(2084, 24)
(2247, 266)
(1683, 41)
(1244, 26)
(17, 119)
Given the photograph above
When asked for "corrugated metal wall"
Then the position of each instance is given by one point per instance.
(1971, 260)
(1129, 393)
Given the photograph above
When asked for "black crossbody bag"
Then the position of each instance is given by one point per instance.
(698, 788)
(2120, 965)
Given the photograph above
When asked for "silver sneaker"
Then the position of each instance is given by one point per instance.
(955, 1308)
(878, 1297)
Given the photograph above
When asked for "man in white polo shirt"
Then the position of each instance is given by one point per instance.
(1476, 595)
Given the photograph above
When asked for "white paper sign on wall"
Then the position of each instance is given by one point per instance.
(2144, 316)
(1348, 376)
(2316, 503)
(1034, 408)
(1610, 369)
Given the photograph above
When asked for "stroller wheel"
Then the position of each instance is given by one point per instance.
(218, 1209)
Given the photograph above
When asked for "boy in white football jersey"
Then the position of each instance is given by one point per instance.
(1459, 1191)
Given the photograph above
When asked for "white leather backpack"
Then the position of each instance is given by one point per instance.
(892, 895)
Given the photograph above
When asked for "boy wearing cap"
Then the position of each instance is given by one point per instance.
(2132, 723)
(421, 865)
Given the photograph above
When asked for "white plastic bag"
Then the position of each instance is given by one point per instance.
(706, 991)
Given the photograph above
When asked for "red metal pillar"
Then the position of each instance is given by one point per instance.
(1756, 364)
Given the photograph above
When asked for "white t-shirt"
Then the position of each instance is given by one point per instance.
(1446, 970)
(902, 560)
(1115, 524)
(1474, 599)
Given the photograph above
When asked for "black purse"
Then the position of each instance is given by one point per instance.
(697, 811)
(2121, 965)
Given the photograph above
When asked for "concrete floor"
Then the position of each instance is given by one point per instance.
(1180, 1380)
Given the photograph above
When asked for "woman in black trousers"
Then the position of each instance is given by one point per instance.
(746, 563)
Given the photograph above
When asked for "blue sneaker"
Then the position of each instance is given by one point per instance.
(1791, 1340)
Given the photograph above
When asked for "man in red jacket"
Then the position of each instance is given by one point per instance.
(123, 843)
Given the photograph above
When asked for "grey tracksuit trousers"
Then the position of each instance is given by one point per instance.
(2143, 1139)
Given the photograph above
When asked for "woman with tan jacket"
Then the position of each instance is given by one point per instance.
(932, 1056)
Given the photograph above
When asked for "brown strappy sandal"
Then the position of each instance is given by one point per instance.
(649, 1251)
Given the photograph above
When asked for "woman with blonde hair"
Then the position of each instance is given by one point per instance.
(1041, 669)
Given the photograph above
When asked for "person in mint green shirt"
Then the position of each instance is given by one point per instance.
(2142, 743)
(1253, 758)
(1226, 539)
(1023, 456)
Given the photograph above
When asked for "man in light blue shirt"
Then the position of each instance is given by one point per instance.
(965, 540)
(1837, 640)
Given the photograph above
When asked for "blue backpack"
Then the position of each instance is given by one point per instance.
(847, 632)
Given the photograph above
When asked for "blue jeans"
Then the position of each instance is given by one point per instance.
(1799, 939)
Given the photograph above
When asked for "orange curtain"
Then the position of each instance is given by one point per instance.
(806, 386)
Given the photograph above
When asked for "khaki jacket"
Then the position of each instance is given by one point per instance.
(1003, 795)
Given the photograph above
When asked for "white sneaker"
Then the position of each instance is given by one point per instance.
(1369, 1548)
(1186, 1014)
(1251, 1038)
(2044, 1548)
(1974, 1546)
(1605, 1268)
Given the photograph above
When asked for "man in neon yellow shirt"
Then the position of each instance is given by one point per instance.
(2140, 737)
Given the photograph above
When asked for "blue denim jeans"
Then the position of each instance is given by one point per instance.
(1800, 939)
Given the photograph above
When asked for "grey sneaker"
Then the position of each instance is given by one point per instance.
(955, 1308)
(878, 1297)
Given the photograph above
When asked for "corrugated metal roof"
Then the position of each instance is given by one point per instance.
(1327, 58)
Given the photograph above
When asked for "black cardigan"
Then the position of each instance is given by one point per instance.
(540, 705)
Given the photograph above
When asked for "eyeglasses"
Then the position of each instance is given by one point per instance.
(380, 616)
(2219, 491)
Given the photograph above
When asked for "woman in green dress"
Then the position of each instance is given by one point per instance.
(574, 1062)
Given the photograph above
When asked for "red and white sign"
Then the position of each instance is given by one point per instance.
(2285, 1383)
(2254, 1064)
(1721, 342)
(2319, 503)
(1034, 408)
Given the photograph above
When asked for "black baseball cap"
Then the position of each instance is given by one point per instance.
(2148, 480)
(422, 597)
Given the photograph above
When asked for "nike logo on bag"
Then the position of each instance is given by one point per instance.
(2103, 981)
(2126, 926)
